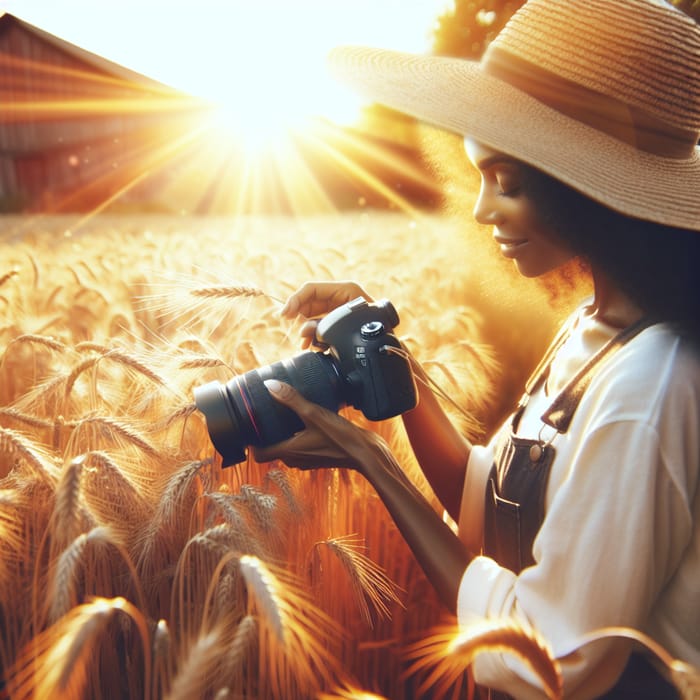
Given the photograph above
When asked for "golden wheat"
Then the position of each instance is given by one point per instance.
(110, 487)
(448, 652)
(368, 580)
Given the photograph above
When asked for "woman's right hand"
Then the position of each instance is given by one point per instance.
(315, 299)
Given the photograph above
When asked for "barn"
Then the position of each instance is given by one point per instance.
(78, 131)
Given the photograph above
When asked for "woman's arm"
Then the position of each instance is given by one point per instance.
(440, 449)
(330, 440)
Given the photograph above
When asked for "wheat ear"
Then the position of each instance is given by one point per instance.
(349, 691)
(69, 514)
(450, 650)
(227, 292)
(121, 431)
(295, 635)
(46, 341)
(15, 443)
(194, 673)
(368, 579)
(8, 276)
(57, 663)
(263, 586)
(232, 665)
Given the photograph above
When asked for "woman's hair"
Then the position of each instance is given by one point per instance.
(657, 266)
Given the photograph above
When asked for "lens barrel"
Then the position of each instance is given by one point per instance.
(242, 412)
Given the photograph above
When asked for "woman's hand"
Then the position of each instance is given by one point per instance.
(328, 440)
(316, 299)
(441, 450)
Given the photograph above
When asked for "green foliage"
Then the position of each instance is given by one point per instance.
(690, 7)
(470, 25)
(467, 29)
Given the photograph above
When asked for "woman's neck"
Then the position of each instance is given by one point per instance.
(610, 304)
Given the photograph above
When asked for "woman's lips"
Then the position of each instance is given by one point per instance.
(510, 246)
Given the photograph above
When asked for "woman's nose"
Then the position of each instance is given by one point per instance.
(486, 210)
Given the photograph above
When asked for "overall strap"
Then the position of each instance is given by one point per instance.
(561, 410)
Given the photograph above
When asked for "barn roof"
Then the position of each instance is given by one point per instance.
(92, 60)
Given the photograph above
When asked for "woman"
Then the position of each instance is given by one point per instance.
(583, 510)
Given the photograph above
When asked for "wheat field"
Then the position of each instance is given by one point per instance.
(133, 565)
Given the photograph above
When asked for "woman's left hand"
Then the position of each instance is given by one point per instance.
(329, 440)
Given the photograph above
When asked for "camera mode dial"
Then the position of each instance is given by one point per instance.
(372, 329)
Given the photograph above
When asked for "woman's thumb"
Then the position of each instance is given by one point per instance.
(284, 393)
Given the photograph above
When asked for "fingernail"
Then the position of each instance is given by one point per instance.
(273, 386)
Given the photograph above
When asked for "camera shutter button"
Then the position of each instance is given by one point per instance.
(372, 329)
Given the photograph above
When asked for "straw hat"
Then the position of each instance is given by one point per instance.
(601, 94)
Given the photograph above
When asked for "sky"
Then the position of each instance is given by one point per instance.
(269, 50)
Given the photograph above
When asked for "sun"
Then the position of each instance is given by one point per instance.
(271, 98)
(264, 63)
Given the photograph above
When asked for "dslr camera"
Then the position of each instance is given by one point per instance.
(358, 367)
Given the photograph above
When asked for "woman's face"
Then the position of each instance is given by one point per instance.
(520, 230)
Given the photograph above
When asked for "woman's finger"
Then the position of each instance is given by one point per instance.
(336, 430)
(290, 397)
(318, 298)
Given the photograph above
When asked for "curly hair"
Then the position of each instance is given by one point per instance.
(657, 266)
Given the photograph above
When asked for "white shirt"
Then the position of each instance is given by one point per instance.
(620, 542)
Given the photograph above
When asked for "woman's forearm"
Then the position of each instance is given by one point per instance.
(441, 450)
(440, 553)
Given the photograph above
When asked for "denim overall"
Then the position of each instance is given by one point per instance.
(515, 500)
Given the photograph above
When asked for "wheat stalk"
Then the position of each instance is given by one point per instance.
(27, 419)
(176, 490)
(51, 299)
(76, 372)
(135, 364)
(292, 630)
(57, 664)
(8, 276)
(10, 526)
(349, 691)
(162, 659)
(63, 596)
(15, 443)
(450, 650)
(46, 341)
(69, 516)
(280, 478)
(368, 579)
(262, 506)
(228, 292)
(238, 651)
(265, 589)
(226, 508)
(182, 413)
(194, 674)
(112, 495)
(122, 432)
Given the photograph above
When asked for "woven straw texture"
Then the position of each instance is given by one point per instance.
(641, 52)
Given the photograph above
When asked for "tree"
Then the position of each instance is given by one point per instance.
(690, 7)
(467, 29)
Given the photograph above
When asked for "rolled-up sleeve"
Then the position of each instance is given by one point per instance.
(616, 528)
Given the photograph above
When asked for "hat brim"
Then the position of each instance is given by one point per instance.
(457, 95)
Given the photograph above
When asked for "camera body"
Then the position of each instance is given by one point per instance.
(361, 365)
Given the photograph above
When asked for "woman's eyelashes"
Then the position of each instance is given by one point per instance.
(509, 183)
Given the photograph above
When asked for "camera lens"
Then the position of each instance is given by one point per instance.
(242, 412)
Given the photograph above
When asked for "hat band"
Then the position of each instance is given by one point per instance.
(614, 117)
